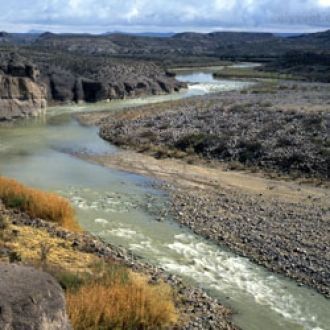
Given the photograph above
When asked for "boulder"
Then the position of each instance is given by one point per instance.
(30, 300)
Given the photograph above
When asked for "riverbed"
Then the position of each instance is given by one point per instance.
(127, 210)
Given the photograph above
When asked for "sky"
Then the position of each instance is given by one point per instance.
(98, 16)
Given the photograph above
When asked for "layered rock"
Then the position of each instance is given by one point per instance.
(25, 89)
(21, 94)
(30, 300)
(107, 81)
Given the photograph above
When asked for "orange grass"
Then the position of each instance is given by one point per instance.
(118, 304)
(37, 203)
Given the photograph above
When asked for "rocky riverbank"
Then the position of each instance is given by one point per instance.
(198, 310)
(282, 225)
(284, 129)
(287, 238)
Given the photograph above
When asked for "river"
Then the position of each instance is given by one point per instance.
(123, 208)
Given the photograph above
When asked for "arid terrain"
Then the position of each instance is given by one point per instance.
(248, 170)
(167, 192)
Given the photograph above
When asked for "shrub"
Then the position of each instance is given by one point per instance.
(69, 281)
(4, 224)
(14, 257)
(147, 134)
(250, 151)
(121, 300)
(285, 141)
(44, 253)
(198, 142)
(36, 203)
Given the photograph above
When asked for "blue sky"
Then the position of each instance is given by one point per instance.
(97, 16)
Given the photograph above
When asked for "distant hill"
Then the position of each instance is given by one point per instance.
(162, 47)
(144, 34)
(116, 57)
(18, 38)
(287, 35)
(36, 31)
(227, 45)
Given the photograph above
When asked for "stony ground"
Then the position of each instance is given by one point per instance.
(282, 225)
(284, 130)
(288, 238)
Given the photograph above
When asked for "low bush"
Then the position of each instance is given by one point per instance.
(199, 142)
(120, 300)
(249, 151)
(37, 203)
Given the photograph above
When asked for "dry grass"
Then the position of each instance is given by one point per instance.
(100, 294)
(124, 301)
(36, 203)
(28, 244)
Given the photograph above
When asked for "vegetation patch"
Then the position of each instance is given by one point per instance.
(37, 203)
(202, 143)
(100, 293)
(255, 130)
(248, 73)
(121, 300)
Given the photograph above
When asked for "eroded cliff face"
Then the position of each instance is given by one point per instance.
(26, 89)
(104, 80)
(21, 94)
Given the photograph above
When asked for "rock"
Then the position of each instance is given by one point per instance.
(21, 94)
(30, 300)
(106, 81)
(28, 83)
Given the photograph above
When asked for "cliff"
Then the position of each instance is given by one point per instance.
(60, 77)
(21, 94)
(92, 79)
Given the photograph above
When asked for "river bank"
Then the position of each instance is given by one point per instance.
(282, 225)
(279, 127)
(196, 309)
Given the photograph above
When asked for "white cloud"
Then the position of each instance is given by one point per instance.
(103, 15)
(324, 3)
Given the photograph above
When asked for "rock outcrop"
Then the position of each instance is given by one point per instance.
(30, 300)
(21, 94)
(105, 80)
(25, 88)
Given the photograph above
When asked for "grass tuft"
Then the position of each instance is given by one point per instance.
(37, 203)
(121, 300)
